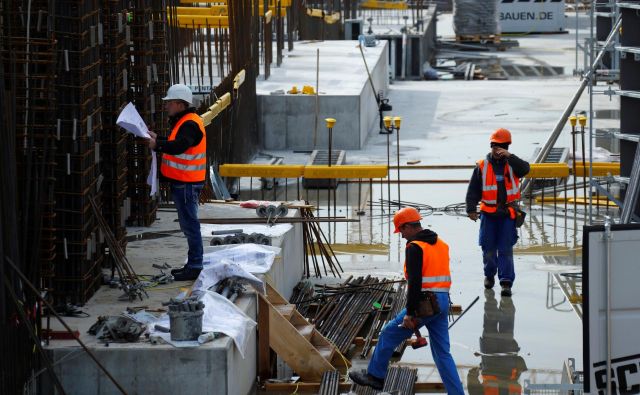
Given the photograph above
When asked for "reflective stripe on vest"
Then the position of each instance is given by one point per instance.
(191, 165)
(489, 199)
(436, 276)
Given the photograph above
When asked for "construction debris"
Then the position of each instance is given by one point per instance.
(118, 329)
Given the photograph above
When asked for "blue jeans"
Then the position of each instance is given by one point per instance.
(437, 326)
(185, 197)
(498, 235)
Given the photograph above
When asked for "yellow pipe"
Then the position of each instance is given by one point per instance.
(217, 107)
(238, 80)
(600, 169)
(548, 170)
(267, 171)
(199, 21)
(384, 5)
(346, 171)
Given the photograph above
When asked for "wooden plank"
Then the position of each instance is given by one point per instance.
(294, 349)
(285, 310)
(306, 331)
(264, 351)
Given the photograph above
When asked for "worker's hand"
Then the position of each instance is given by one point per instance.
(153, 135)
(407, 322)
(473, 216)
(152, 143)
(500, 153)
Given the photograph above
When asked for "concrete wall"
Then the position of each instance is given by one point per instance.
(287, 121)
(162, 369)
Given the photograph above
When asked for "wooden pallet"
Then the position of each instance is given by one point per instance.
(294, 339)
(479, 38)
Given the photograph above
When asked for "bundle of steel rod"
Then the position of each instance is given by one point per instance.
(400, 380)
(396, 302)
(141, 82)
(302, 292)
(78, 134)
(128, 280)
(329, 383)
(113, 147)
(342, 317)
(313, 237)
(27, 236)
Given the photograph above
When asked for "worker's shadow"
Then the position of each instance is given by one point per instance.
(501, 366)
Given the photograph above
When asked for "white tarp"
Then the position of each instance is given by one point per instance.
(254, 258)
(130, 120)
(213, 273)
(221, 316)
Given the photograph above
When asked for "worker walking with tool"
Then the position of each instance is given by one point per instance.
(495, 184)
(184, 164)
(428, 277)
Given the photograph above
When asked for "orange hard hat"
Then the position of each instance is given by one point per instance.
(405, 215)
(501, 136)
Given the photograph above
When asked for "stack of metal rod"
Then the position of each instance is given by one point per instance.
(141, 81)
(78, 244)
(317, 248)
(330, 383)
(400, 380)
(128, 280)
(343, 315)
(113, 147)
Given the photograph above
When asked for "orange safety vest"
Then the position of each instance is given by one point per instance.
(489, 201)
(491, 385)
(190, 166)
(436, 276)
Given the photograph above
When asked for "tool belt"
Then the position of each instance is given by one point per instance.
(520, 215)
(428, 305)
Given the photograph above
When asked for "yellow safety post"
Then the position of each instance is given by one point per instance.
(396, 123)
(330, 123)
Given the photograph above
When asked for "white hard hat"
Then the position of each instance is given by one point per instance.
(179, 92)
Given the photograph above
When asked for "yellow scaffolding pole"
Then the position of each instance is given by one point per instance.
(295, 171)
(266, 171)
(346, 171)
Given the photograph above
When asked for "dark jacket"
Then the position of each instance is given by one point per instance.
(474, 191)
(413, 256)
(189, 135)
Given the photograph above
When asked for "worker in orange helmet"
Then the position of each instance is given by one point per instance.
(495, 184)
(426, 269)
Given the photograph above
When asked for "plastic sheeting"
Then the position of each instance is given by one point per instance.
(476, 17)
(254, 258)
(213, 273)
(220, 315)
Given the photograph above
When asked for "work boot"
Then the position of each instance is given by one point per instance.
(178, 270)
(489, 282)
(506, 290)
(186, 274)
(367, 380)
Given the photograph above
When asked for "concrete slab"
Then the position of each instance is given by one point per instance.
(287, 121)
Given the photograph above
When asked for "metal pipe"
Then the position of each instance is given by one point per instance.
(608, 236)
(587, 78)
